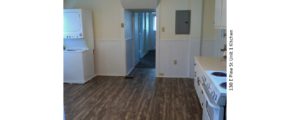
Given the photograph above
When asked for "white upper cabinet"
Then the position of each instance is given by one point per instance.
(73, 27)
(220, 14)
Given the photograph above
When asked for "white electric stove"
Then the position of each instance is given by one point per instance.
(213, 84)
(217, 86)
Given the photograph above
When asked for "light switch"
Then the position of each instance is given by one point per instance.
(163, 29)
(122, 25)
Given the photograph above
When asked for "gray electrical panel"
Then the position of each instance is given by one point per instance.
(182, 22)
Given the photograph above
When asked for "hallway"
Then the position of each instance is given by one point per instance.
(148, 61)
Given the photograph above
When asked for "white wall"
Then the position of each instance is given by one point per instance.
(130, 59)
(208, 30)
(141, 31)
(147, 37)
(173, 47)
(152, 33)
(212, 40)
(111, 57)
(110, 40)
(172, 50)
(136, 38)
(167, 18)
(142, 28)
(196, 27)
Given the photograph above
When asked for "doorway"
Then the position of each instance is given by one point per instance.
(143, 43)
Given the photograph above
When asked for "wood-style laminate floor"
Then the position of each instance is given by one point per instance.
(142, 98)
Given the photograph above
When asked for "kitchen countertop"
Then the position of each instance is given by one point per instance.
(211, 63)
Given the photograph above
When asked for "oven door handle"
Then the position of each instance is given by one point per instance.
(207, 99)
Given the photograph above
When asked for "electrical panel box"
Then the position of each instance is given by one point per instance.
(182, 22)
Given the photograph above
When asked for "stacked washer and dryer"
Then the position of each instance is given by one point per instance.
(78, 46)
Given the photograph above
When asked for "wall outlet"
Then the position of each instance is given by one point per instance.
(175, 62)
(161, 74)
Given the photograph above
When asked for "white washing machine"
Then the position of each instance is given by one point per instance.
(78, 66)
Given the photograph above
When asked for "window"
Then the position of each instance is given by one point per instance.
(154, 23)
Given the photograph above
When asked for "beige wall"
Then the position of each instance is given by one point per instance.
(130, 59)
(167, 18)
(208, 31)
(180, 48)
(109, 36)
(107, 15)
(128, 24)
(212, 40)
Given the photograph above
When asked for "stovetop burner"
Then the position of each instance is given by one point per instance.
(216, 78)
(219, 74)
(224, 85)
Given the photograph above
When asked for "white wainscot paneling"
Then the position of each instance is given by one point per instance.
(194, 51)
(171, 50)
(110, 57)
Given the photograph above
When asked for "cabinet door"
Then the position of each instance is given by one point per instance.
(197, 85)
(72, 24)
(220, 14)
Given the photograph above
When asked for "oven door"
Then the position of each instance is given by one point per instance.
(211, 111)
